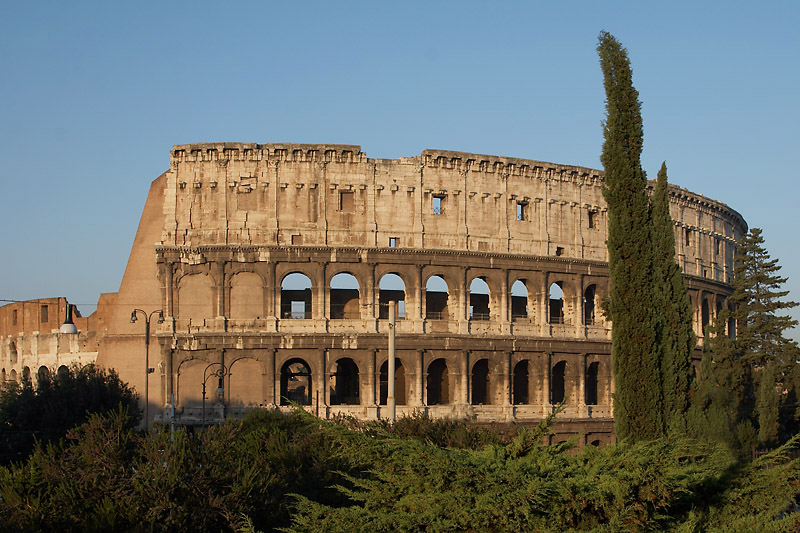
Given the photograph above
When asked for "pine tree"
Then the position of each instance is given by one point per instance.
(764, 352)
(676, 338)
(757, 299)
(638, 398)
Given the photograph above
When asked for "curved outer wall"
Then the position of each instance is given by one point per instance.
(227, 223)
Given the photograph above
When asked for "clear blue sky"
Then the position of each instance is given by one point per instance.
(94, 94)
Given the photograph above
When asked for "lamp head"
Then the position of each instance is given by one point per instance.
(133, 317)
(160, 317)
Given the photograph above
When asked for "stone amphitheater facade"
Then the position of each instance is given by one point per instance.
(276, 262)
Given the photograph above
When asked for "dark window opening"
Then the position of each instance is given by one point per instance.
(344, 389)
(588, 305)
(705, 317)
(14, 317)
(480, 383)
(437, 383)
(44, 314)
(557, 383)
(295, 383)
(559, 251)
(297, 239)
(591, 383)
(520, 383)
(591, 219)
(688, 237)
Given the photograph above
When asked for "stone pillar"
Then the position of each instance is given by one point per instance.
(372, 385)
(419, 393)
(168, 377)
(546, 403)
(507, 378)
(218, 268)
(324, 394)
(504, 303)
(273, 293)
(581, 403)
(169, 290)
(463, 302)
(270, 394)
(465, 381)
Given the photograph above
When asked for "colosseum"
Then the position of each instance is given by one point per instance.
(267, 270)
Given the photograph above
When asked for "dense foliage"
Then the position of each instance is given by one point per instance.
(676, 340)
(638, 401)
(276, 470)
(747, 388)
(57, 403)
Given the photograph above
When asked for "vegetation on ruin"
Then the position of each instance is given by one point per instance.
(294, 471)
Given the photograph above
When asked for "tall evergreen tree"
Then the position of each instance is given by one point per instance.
(757, 299)
(638, 399)
(676, 339)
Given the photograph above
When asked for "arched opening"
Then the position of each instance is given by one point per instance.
(520, 383)
(591, 383)
(345, 385)
(519, 300)
(62, 372)
(588, 305)
(480, 383)
(344, 297)
(296, 296)
(43, 374)
(557, 389)
(479, 299)
(246, 296)
(391, 287)
(13, 375)
(556, 303)
(438, 385)
(295, 382)
(399, 383)
(3, 376)
(436, 295)
(26, 375)
(705, 317)
(12, 352)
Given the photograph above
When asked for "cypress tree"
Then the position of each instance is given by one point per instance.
(676, 338)
(638, 398)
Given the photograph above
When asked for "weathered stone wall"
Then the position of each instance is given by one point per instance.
(243, 246)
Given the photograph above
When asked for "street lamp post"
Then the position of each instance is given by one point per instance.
(220, 373)
(147, 369)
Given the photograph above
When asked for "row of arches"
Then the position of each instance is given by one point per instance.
(25, 374)
(296, 378)
(346, 300)
(347, 382)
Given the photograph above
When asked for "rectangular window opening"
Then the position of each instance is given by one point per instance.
(559, 251)
(392, 242)
(44, 314)
(688, 237)
(522, 211)
(437, 205)
(297, 239)
(591, 219)
(347, 201)
(14, 317)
